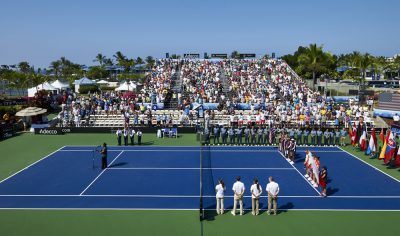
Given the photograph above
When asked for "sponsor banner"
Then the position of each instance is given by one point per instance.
(7, 130)
(219, 55)
(13, 102)
(49, 131)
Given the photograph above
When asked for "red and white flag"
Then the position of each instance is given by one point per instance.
(363, 141)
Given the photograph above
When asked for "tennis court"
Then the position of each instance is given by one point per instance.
(155, 177)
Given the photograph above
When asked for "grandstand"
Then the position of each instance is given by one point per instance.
(231, 91)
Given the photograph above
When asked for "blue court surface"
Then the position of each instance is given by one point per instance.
(153, 177)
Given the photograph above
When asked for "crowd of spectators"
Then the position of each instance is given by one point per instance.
(269, 88)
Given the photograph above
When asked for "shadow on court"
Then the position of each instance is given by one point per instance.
(118, 164)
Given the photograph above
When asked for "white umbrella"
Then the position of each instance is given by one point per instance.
(31, 111)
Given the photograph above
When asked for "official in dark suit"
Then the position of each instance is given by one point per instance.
(104, 156)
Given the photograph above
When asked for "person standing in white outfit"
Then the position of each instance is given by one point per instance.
(256, 191)
(273, 191)
(220, 190)
(238, 191)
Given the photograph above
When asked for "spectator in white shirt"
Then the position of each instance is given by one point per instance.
(396, 118)
(220, 190)
(238, 191)
(273, 191)
(256, 191)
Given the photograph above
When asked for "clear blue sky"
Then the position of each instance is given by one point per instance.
(41, 31)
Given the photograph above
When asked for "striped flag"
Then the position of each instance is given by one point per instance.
(372, 143)
(382, 136)
(363, 141)
(390, 149)
(397, 160)
(383, 151)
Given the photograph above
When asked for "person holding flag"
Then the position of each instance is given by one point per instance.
(397, 159)
(363, 140)
(390, 149)
(383, 150)
(353, 135)
(372, 144)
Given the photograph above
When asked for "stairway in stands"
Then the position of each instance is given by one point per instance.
(225, 83)
(170, 102)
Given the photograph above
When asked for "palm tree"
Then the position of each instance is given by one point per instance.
(121, 58)
(139, 60)
(150, 61)
(235, 54)
(313, 59)
(101, 59)
(56, 68)
(24, 67)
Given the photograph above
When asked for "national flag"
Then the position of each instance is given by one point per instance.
(382, 136)
(372, 143)
(351, 134)
(363, 141)
(390, 149)
(314, 167)
(383, 151)
(354, 135)
(397, 160)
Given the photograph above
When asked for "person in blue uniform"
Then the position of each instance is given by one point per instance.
(247, 135)
(253, 135)
(132, 136)
(319, 137)
(119, 136)
(337, 137)
(266, 135)
(313, 137)
(343, 134)
(139, 137)
(223, 135)
(125, 133)
(216, 134)
(326, 137)
(103, 153)
(260, 132)
(231, 134)
(331, 137)
(299, 137)
(239, 132)
(206, 136)
(306, 133)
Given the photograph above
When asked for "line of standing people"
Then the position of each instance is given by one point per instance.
(238, 189)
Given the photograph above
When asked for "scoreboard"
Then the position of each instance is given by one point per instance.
(219, 55)
(191, 55)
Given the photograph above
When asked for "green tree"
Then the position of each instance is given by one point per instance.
(150, 61)
(139, 60)
(175, 56)
(315, 60)
(97, 72)
(55, 68)
(101, 59)
(24, 67)
(235, 55)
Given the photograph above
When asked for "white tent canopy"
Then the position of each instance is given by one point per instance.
(45, 86)
(126, 86)
(102, 81)
(60, 84)
(83, 81)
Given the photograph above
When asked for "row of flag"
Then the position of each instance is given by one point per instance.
(389, 148)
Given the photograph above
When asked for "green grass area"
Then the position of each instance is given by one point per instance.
(18, 152)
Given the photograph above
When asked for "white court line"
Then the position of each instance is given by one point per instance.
(100, 174)
(170, 150)
(32, 164)
(369, 165)
(185, 209)
(195, 196)
(189, 168)
(316, 190)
